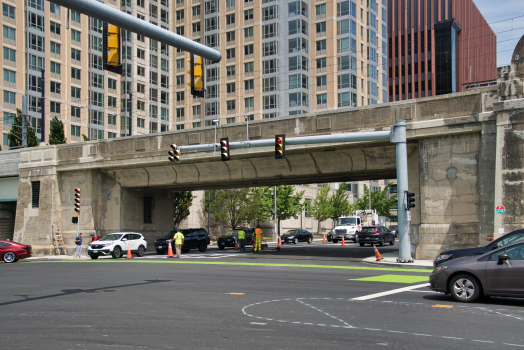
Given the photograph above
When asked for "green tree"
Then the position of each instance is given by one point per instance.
(262, 203)
(288, 202)
(85, 137)
(182, 203)
(339, 201)
(233, 207)
(56, 132)
(379, 201)
(15, 135)
(321, 207)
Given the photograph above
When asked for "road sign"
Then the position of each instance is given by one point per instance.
(500, 209)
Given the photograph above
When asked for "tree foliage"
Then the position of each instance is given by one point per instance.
(321, 207)
(182, 203)
(85, 138)
(339, 202)
(233, 207)
(15, 135)
(56, 132)
(288, 202)
(379, 202)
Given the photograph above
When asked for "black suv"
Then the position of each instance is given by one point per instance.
(194, 238)
(375, 234)
(228, 240)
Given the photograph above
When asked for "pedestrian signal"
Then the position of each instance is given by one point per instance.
(174, 154)
(280, 146)
(196, 73)
(77, 200)
(224, 149)
(74, 220)
(410, 203)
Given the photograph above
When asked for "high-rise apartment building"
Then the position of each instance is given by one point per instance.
(279, 58)
(437, 47)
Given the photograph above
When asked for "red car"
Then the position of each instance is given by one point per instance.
(11, 252)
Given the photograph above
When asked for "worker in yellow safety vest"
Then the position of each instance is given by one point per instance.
(178, 239)
(241, 239)
(258, 239)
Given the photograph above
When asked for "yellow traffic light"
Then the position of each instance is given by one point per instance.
(113, 45)
(196, 72)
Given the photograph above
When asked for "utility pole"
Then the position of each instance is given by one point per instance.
(24, 121)
(275, 235)
(42, 125)
(369, 195)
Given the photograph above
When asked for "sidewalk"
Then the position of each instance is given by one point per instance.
(390, 259)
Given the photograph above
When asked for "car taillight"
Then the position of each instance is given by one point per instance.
(375, 233)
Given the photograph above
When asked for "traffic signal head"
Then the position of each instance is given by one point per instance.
(113, 45)
(280, 146)
(174, 154)
(196, 72)
(77, 200)
(224, 149)
(410, 200)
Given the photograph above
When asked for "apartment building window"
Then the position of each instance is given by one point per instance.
(320, 28)
(140, 71)
(35, 103)
(270, 48)
(55, 48)
(248, 50)
(230, 36)
(343, 26)
(248, 15)
(211, 6)
(230, 120)
(321, 64)
(298, 99)
(248, 32)
(230, 20)
(270, 84)
(75, 16)
(211, 24)
(153, 61)
(296, 8)
(180, 30)
(321, 82)
(321, 100)
(270, 115)
(111, 83)
(180, 65)
(180, 127)
(10, 35)
(269, 13)
(196, 111)
(320, 11)
(140, 3)
(164, 81)
(343, 9)
(75, 36)
(343, 45)
(153, 11)
(9, 97)
(111, 102)
(98, 26)
(249, 86)
(179, 81)
(96, 61)
(212, 91)
(298, 81)
(9, 77)
(231, 106)
(230, 3)
(212, 74)
(230, 71)
(297, 63)
(153, 45)
(97, 80)
(270, 30)
(197, 125)
(111, 135)
(54, 107)
(35, 83)
(53, 8)
(111, 119)
(196, 11)
(75, 130)
(140, 88)
(212, 40)
(212, 108)
(270, 66)
(55, 87)
(180, 114)
(249, 103)
(34, 21)
(36, 42)
(347, 99)
(36, 4)
(164, 113)
(163, 97)
(95, 134)
(180, 96)
(140, 105)
(196, 28)
(344, 81)
(54, 27)
(321, 47)
(230, 54)
(270, 102)
(10, 55)
(153, 111)
(97, 98)
(75, 112)
(140, 122)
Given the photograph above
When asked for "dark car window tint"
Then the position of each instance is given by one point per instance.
(515, 253)
(1, 244)
(368, 229)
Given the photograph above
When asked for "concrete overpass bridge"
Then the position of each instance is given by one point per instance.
(464, 154)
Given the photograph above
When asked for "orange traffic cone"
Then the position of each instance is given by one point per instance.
(377, 254)
(343, 242)
(169, 250)
(279, 242)
(324, 241)
(236, 244)
(129, 256)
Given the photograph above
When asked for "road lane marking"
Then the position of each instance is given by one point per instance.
(443, 306)
(235, 293)
(259, 323)
(393, 278)
(394, 291)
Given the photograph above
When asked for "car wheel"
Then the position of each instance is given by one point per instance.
(94, 256)
(382, 242)
(221, 247)
(335, 241)
(141, 251)
(9, 257)
(465, 288)
(361, 244)
(117, 253)
(356, 239)
(185, 250)
(392, 242)
(202, 247)
(309, 240)
(295, 241)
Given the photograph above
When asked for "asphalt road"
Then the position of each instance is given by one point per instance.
(293, 299)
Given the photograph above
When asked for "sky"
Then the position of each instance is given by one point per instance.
(508, 30)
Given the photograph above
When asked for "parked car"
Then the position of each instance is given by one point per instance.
(295, 236)
(509, 238)
(228, 239)
(116, 244)
(194, 238)
(11, 252)
(495, 273)
(375, 234)
(342, 232)
(394, 230)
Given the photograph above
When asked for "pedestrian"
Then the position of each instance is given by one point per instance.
(241, 239)
(178, 239)
(258, 239)
(78, 242)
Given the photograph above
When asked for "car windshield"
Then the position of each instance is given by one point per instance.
(170, 235)
(111, 238)
(395, 227)
(368, 229)
(291, 233)
(346, 221)
(231, 233)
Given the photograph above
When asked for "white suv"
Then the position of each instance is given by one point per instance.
(116, 244)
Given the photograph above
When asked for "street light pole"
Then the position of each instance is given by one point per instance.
(215, 121)
(275, 235)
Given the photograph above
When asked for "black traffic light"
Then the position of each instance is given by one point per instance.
(196, 72)
(410, 200)
(280, 146)
(224, 148)
(174, 154)
(111, 58)
(74, 220)
(77, 200)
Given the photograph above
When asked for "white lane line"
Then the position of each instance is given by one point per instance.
(389, 292)
(522, 346)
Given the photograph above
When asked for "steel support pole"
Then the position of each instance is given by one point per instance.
(275, 235)
(398, 136)
(42, 125)
(126, 21)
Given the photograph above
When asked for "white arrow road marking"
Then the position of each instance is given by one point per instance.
(389, 292)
